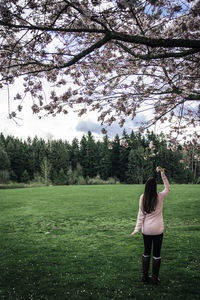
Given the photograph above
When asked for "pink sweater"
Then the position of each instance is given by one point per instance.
(152, 224)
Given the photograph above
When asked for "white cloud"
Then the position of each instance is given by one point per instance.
(89, 125)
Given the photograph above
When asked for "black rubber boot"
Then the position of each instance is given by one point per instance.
(155, 270)
(145, 268)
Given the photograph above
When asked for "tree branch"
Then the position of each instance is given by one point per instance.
(155, 42)
(164, 113)
(137, 21)
(74, 60)
(52, 29)
(133, 39)
(92, 18)
(59, 14)
(158, 56)
(193, 97)
(175, 89)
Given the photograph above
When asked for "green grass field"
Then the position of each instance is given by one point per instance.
(74, 242)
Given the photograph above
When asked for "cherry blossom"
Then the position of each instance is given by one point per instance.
(119, 58)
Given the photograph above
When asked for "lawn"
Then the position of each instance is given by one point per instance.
(74, 242)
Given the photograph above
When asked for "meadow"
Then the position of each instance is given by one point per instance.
(74, 242)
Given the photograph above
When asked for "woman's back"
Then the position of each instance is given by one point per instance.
(152, 223)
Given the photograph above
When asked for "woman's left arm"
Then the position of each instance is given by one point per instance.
(140, 218)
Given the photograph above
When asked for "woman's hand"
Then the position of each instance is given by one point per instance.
(133, 233)
(160, 169)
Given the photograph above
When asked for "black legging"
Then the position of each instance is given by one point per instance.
(157, 243)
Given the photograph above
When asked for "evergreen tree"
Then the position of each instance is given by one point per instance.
(16, 154)
(105, 159)
(4, 160)
(59, 159)
(37, 151)
(4, 165)
(135, 165)
(91, 156)
(115, 157)
(132, 158)
(88, 156)
(25, 177)
(123, 157)
(74, 154)
(61, 178)
(83, 155)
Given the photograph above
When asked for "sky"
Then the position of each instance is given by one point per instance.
(65, 127)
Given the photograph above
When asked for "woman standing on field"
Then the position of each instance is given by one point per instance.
(150, 219)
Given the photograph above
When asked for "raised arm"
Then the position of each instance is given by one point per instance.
(166, 190)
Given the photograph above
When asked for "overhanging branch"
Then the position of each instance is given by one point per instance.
(158, 56)
(155, 42)
(52, 28)
(118, 36)
(164, 114)
(74, 60)
(193, 97)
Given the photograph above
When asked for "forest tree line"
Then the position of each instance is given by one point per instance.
(131, 159)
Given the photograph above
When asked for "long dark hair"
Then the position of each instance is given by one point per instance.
(150, 196)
